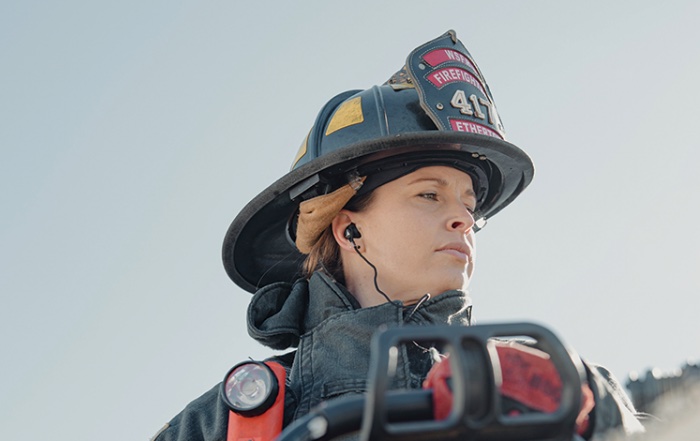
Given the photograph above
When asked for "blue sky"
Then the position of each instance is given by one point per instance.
(133, 132)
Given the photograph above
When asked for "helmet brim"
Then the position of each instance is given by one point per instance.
(258, 249)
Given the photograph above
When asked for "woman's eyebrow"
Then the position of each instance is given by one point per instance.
(441, 182)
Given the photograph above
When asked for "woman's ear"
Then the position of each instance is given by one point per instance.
(342, 225)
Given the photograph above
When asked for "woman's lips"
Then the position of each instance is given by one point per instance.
(457, 250)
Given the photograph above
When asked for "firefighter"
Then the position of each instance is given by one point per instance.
(374, 225)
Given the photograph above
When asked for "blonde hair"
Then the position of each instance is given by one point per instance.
(324, 256)
(325, 253)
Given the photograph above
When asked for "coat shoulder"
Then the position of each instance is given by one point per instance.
(204, 419)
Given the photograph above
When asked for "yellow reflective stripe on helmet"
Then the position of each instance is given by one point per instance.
(302, 150)
(349, 113)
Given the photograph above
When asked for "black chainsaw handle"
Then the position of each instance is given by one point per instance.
(477, 407)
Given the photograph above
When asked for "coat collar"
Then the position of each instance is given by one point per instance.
(280, 313)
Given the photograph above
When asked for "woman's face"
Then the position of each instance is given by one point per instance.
(417, 230)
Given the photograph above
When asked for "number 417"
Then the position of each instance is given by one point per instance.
(470, 106)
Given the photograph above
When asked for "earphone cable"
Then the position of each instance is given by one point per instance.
(374, 268)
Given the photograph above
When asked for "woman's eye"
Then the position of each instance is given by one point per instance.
(431, 196)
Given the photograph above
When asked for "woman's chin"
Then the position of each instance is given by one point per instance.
(453, 281)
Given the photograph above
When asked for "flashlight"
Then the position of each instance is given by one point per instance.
(249, 388)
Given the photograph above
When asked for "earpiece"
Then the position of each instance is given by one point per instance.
(352, 233)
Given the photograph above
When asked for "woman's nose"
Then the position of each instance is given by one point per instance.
(461, 220)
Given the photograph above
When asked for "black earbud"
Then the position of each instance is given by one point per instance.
(352, 233)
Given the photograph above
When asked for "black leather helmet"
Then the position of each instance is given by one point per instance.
(437, 110)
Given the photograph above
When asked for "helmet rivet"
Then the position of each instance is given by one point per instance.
(439, 106)
(421, 66)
